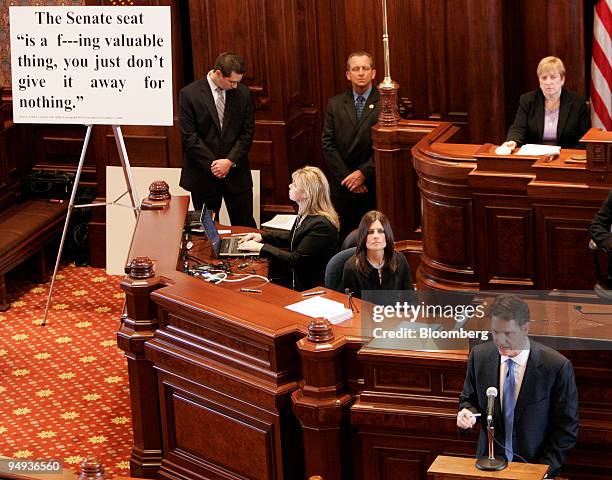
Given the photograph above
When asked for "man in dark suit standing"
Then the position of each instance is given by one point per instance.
(347, 142)
(536, 411)
(600, 231)
(217, 122)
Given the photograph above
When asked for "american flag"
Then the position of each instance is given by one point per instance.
(601, 66)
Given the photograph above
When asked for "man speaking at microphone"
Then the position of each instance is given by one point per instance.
(536, 412)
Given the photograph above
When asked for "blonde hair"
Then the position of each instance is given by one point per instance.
(312, 180)
(551, 64)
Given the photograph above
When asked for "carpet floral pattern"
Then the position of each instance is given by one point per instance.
(64, 387)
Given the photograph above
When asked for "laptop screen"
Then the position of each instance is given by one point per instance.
(210, 229)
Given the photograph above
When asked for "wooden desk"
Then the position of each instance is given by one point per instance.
(225, 384)
(473, 220)
(455, 468)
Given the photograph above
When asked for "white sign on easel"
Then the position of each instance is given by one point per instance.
(91, 65)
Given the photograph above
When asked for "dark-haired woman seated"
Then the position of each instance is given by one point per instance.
(376, 265)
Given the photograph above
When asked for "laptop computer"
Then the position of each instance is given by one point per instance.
(222, 247)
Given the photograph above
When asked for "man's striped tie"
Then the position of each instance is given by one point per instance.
(220, 104)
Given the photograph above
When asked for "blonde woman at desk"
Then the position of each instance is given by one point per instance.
(298, 257)
(549, 115)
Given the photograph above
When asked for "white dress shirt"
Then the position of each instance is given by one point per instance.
(214, 87)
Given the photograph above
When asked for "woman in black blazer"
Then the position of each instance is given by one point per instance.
(376, 266)
(299, 257)
(550, 115)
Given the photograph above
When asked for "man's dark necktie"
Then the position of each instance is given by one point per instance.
(359, 103)
(509, 404)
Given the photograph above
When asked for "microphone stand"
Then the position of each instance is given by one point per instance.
(351, 303)
(491, 463)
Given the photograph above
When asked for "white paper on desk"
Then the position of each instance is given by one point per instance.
(316, 307)
(533, 149)
(281, 222)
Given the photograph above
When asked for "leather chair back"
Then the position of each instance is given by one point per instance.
(335, 267)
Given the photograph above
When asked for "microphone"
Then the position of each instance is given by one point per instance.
(491, 395)
(352, 306)
(491, 462)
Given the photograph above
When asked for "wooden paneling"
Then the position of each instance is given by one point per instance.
(506, 237)
(245, 448)
(452, 230)
(483, 59)
(395, 463)
(14, 163)
(562, 244)
(398, 379)
(139, 148)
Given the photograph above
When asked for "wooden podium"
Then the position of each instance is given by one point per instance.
(461, 468)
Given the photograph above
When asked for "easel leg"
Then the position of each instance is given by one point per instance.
(127, 170)
(67, 222)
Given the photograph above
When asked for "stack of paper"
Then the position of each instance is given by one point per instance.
(317, 307)
(281, 222)
(533, 149)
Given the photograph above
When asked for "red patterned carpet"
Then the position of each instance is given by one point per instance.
(64, 388)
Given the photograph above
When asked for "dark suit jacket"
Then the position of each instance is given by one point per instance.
(600, 226)
(302, 253)
(600, 229)
(347, 143)
(204, 141)
(546, 412)
(391, 281)
(528, 126)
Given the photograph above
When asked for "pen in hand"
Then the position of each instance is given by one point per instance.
(310, 294)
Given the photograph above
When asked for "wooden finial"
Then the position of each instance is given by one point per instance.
(389, 113)
(91, 468)
(141, 267)
(159, 190)
(320, 331)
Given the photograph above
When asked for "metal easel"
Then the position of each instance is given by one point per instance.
(131, 189)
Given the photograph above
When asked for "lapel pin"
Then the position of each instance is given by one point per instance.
(371, 106)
